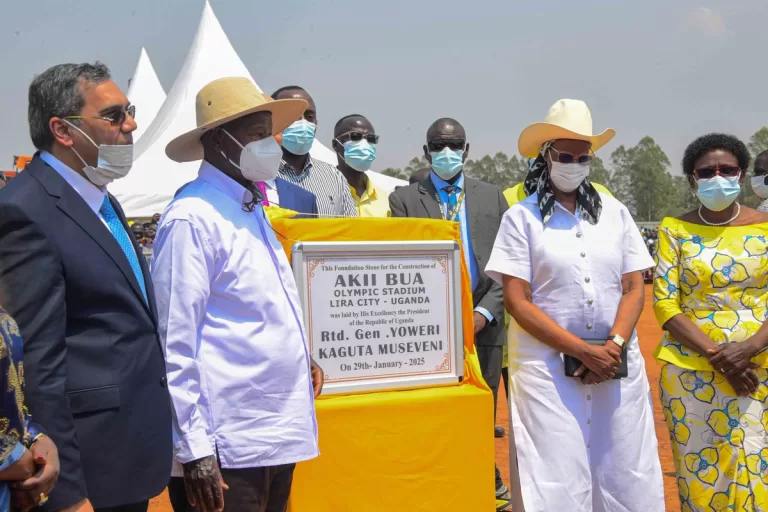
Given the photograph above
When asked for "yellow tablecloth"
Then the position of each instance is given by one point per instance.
(411, 450)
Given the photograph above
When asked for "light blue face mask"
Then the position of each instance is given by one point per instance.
(447, 163)
(359, 154)
(718, 193)
(298, 137)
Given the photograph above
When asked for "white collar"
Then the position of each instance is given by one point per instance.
(91, 194)
(224, 183)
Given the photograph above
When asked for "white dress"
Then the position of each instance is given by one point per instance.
(578, 448)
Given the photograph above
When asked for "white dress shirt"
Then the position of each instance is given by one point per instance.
(231, 326)
(272, 196)
(91, 194)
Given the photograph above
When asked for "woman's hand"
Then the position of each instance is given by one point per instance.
(732, 359)
(21, 469)
(600, 359)
(590, 378)
(744, 383)
(28, 493)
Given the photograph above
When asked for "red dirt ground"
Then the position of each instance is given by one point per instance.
(649, 333)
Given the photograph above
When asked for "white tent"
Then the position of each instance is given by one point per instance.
(146, 92)
(155, 178)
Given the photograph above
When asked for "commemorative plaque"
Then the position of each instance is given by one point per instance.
(382, 315)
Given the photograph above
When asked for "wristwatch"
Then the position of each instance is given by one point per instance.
(617, 340)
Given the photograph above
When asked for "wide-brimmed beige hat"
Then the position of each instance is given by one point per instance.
(225, 100)
(566, 119)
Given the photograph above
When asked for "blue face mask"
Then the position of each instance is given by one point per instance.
(718, 193)
(298, 137)
(359, 154)
(447, 163)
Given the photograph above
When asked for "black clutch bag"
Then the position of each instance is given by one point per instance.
(572, 364)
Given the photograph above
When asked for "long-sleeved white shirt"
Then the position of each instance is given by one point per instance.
(231, 326)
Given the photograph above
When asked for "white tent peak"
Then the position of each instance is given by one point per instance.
(211, 56)
(146, 92)
(154, 179)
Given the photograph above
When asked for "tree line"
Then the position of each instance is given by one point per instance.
(637, 176)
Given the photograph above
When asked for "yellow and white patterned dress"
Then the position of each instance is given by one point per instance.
(718, 278)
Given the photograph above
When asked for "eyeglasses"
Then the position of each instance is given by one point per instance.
(436, 146)
(564, 157)
(116, 118)
(707, 173)
(358, 136)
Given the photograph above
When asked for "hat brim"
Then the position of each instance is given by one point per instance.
(188, 147)
(534, 136)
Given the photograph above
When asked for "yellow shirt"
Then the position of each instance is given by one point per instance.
(517, 193)
(374, 203)
(715, 276)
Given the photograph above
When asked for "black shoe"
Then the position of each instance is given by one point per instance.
(498, 432)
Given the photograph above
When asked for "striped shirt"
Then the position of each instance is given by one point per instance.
(327, 183)
(763, 207)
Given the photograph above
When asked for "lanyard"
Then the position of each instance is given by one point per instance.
(453, 213)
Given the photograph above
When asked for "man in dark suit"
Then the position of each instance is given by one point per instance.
(478, 207)
(73, 277)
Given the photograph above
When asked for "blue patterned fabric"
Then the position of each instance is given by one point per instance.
(118, 231)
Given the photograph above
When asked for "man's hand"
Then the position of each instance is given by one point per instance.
(204, 485)
(318, 377)
(27, 494)
(732, 359)
(480, 322)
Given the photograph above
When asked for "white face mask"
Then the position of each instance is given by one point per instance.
(568, 177)
(259, 160)
(759, 186)
(114, 162)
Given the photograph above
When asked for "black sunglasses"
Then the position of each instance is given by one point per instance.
(358, 136)
(116, 118)
(436, 146)
(707, 173)
(564, 157)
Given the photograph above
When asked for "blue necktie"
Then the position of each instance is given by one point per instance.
(118, 231)
(453, 198)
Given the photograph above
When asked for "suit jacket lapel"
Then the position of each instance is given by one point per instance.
(429, 199)
(70, 202)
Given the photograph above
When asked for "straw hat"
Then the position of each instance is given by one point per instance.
(566, 119)
(225, 100)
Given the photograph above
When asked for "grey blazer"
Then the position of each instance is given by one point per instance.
(485, 207)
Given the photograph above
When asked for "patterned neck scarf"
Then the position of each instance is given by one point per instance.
(587, 198)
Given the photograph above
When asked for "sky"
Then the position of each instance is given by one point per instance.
(673, 70)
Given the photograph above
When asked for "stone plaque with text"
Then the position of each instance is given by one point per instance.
(382, 315)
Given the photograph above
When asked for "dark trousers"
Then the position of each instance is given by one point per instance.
(136, 507)
(505, 379)
(264, 489)
(491, 357)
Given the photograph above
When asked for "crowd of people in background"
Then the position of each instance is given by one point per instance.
(196, 374)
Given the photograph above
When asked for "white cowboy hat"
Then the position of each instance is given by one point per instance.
(566, 119)
(225, 100)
